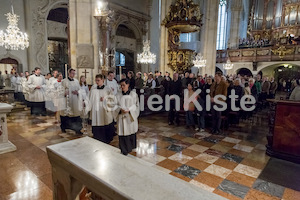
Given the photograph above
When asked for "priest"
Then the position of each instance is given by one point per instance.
(37, 84)
(70, 117)
(127, 117)
(101, 115)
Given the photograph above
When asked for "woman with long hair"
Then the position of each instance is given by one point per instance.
(83, 85)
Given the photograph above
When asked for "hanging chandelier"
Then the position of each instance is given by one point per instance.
(146, 57)
(13, 38)
(199, 61)
(228, 65)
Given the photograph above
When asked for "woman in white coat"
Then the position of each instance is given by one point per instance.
(127, 117)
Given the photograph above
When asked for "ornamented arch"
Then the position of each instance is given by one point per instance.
(8, 55)
(130, 24)
(39, 36)
(264, 65)
(137, 25)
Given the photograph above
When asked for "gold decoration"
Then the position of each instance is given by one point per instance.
(248, 53)
(263, 52)
(175, 37)
(234, 54)
(282, 51)
(180, 60)
(184, 16)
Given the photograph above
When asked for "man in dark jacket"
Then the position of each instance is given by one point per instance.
(219, 87)
(175, 89)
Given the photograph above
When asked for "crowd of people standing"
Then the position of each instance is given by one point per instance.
(73, 99)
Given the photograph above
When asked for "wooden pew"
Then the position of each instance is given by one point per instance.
(110, 175)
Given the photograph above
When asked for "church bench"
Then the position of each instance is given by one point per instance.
(110, 175)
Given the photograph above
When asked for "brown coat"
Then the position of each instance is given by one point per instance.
(218, 89)
(265, 88)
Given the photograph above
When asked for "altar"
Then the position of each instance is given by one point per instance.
(7, 95)
(111, 175)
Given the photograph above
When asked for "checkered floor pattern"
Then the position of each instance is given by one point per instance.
(228, 165)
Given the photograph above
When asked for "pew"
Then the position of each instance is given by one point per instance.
(284, 130)
(110, 175)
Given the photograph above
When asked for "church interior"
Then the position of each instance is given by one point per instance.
(149, 50)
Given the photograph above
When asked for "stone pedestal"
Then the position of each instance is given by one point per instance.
(5, 145)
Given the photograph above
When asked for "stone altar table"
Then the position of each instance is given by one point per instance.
(5, 145)
(102, 169)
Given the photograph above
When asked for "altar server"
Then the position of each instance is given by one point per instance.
(101, 114)
(111, 82)
(59, 100)
(19, 88)
(53, 79)
(25, 90)
(70, 117)
(127, 117)
(37, 85)
(13, 80)
(7, 79)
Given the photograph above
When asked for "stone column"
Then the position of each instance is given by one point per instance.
(163, 65)
(5, 145)
(236, 7)
(209, 35)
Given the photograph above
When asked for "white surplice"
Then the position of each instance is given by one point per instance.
(36, 95)
(25, 89)
(100, 116)
(7, 80)
(128, 122)
(58, 96)
(13, 80)
(113, 85)
(74, 100)
(19, 81)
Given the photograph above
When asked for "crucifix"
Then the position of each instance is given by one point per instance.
(85, 72)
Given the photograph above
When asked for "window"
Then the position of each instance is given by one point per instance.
(222, 23)
(120, 59)
(185, 37)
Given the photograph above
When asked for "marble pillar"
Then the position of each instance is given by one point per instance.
(5, 145)
(236, 7)
(209, 35)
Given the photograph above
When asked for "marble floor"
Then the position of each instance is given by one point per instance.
(226, 165)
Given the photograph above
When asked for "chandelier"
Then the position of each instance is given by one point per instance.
(13, 38)
(146, 57)
(199, 61)
(228, 65)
